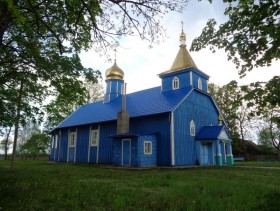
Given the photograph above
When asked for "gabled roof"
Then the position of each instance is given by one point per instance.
(212, 133)
(145, 102)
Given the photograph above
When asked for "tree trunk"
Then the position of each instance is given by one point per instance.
(7, 143)
(17, 125)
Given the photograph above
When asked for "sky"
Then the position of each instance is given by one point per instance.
(141, 64)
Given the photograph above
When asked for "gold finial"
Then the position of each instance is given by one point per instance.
(182, 36)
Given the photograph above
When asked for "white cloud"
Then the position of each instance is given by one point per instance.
(142, 64)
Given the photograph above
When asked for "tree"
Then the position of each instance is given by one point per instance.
(36, 146)
(263, 98)
(95, 91)
(6, 143)
(230, 100)
(40, 42)
(250, 36)
(264, 141)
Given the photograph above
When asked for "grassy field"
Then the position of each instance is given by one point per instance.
(258, 164)
(39, 185)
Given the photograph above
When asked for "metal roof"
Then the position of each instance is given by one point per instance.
(145, 102)
(210, 132)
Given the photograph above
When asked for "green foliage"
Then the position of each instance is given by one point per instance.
(250, 36)
(40, 42)
(36, 146)
(37, 185)
(229, 99)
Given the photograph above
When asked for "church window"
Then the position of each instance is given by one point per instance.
(72, 139)
(199, 83)
(147, 147)
(207, 86)
(175, 83)
(94, 136)
(192, 128)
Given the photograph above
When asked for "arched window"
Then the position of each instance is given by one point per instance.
(192, 128)
(199, 83)
(175, 83)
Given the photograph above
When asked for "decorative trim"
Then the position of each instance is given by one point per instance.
(172, 140)
(89, 144)
(183, 100)
(199, 83)
(68, 145)
(175, 83)
(97, 147)
(59, 143)
(76, 133)
(192, 128)
(151, 152)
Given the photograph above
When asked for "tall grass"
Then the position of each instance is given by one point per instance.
(39, 185)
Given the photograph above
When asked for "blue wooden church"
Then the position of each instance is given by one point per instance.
(175, 124)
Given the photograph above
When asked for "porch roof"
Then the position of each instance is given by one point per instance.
(212, 133)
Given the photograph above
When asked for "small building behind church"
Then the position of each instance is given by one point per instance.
(174, 124)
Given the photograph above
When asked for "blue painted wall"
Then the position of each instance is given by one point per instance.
(71, 155)
(63, 146)
(196, 76)
(183, 76)
(199, 108)
(113, 89)
(138, 158)
(82, 144)
(146, 159)
(151, 124)
(105, 142)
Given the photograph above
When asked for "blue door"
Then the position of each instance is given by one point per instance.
(126, 154)
(204, 155)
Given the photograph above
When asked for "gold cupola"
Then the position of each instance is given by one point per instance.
(114, 72)
(183, 59)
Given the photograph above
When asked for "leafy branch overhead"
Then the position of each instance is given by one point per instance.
(250, 37)
(40, 42)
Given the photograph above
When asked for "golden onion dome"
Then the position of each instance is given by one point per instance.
(114, 72)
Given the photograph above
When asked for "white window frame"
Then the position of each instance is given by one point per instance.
(192, 128)
(150, 149)
(92, 132)
(75, 139)
(207, 86)
(199, 83)
(56, 141)
(53, 141)
(175, 83)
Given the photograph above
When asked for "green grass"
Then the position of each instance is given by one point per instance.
(258, 164)
(39, 185)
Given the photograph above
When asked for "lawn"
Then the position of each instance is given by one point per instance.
(258, 164)
(39, 185)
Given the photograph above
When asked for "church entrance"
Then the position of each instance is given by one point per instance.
(126, 152)
(205, 154)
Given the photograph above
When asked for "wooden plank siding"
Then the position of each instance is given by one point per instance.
(199, 108)
(156, 124)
